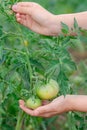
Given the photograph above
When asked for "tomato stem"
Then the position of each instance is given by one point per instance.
(17, 51)
(19, 120)
(29, 65)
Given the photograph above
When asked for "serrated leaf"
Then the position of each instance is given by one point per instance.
(75, 24)
(70, 63)
(63, 82)
(52, 67)
(65, 28)
(36, 63)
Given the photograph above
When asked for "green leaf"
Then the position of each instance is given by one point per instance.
(75, 24)
(63, 82)
(1, 32)
(52, 67)
(65, 28)
(70, 63)
(1, 52)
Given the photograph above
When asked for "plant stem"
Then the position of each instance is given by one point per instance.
(19, 120)
(29, 65)
(28, 60)
(17, 51)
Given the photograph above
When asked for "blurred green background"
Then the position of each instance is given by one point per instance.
(63, 6)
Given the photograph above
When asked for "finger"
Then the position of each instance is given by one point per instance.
(26, 4)
(21, 9)
(45, 109)
(21, 19)
(23, 22)
(28, 111)
(20, 16)
(21, 102)
(34, 113)
(25, 109)
(45, 102)
(47, 115)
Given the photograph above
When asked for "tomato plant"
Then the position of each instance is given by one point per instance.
(29, 60)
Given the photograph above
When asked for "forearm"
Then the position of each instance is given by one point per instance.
(68, 19)
(77, 103)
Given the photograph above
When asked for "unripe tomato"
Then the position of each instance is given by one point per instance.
(78, 80)
(33, 102)
(48, 91)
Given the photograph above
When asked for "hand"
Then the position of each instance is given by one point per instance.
(36, 18)
(57, 106)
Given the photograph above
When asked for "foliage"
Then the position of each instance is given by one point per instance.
(27, 58)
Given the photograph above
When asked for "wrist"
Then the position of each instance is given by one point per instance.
(68, 19)
(68, 103)
(55, 26)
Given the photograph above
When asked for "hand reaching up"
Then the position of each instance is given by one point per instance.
(36, 18)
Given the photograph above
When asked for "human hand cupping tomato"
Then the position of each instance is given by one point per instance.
(57, 106)
(39, 104)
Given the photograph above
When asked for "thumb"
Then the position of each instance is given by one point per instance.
(21, 9)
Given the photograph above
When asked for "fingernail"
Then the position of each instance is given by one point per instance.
(14, 7)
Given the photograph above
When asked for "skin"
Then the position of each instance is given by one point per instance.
(32, 16)
(58, 106)
(41, 21)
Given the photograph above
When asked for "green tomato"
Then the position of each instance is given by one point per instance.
(78, 80)
(48, 91)
(33, 102)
